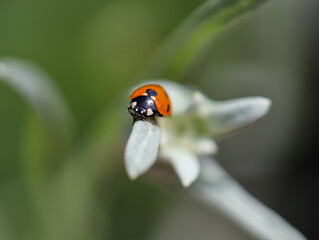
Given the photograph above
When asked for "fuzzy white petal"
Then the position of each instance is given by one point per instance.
(204, 146)
(185, 164)
(232, 115)
(142, 147)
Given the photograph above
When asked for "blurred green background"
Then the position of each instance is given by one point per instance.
(94, 51)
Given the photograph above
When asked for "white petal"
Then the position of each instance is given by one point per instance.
(205, 146)
(185, 164)
(232, 115)
(142, 147)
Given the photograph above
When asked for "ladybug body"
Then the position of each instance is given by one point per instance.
(149, 101)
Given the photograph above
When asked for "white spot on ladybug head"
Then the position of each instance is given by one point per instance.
(136, 109)
(149, 112)
(144, 94)
(133, 104)
(154, 98)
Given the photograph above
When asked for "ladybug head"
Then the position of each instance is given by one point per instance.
(143, 107)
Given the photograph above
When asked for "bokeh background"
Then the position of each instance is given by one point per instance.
(94, 50)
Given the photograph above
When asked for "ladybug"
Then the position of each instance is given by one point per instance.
(149, 101)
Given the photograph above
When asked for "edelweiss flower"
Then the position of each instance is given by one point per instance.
(185, 137)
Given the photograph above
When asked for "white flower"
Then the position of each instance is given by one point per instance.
(187, 135)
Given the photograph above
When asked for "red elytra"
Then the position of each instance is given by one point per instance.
(158, 95)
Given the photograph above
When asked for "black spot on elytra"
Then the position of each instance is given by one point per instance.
(168, 108)
(151, 92)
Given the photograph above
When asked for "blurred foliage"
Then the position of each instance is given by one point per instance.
(206, 25)
(74, 186)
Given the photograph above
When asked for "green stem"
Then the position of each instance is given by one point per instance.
(195, 34)
(218, 190)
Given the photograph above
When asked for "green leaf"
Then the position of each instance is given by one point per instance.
(197, 32)
(48, 127)
(38, 90)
